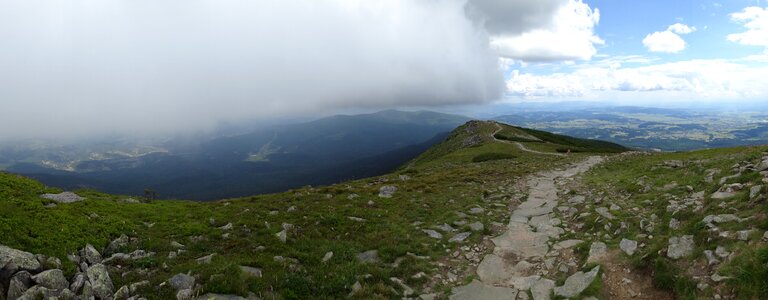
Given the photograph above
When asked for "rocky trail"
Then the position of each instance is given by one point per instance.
(520, 145)
(530, 256)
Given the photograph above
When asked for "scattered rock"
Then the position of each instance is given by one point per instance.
(387, 191)
(603, 211)
(477, 226)
(744, 234)
(566, 244)
(433, 234)
(542, 289)
(680, 246)
(577, 199)
(478, 290)
(370, 256)
(445, 228)
(176, 245)
(628, 246)
(596, 252)
(182, 281)
(205, 259)
(476, 210)
(356, 219)
(577, 283)
(460, 237)
(19, 284)
(711, 259)
(328, 255)
(674, 224)
(251, 271)
(722, 252)
(229, 226)
(754, 191)
(65, 197)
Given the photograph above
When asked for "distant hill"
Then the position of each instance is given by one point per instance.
(324, 151)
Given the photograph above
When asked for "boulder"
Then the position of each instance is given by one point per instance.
(182, 281)
(123, 293)
(99, 280)
(577, 283)
(52, 280)
(77, 283)
(542, 289)
(20, 283)
(680, 246)
(91, 255)
(14, 260)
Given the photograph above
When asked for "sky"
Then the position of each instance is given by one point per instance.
(85, 67)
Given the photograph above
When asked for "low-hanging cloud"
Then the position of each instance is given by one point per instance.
(97, 66)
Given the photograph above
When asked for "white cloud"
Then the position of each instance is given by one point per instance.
(668, 41)
(755, 20)
(664, 41)
(740, 79)
(680, 28)
(567, 34)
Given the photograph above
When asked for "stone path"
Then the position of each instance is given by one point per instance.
(518, 261)
(520, 145)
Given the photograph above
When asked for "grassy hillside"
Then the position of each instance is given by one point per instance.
(446, 185)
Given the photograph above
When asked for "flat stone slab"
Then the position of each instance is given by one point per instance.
(65, 197)
(577, 283)
(478, 290)
(522, 241)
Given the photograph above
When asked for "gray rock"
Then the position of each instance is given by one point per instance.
(211, 296)
(566, 244)
(20, 283)
(117, 244)
(577, 283)
(603, 211)
(38, 292)
(387, 191)
(711, 220)
(251, 271)
(722, 252)
(182, 281)
(542, 289)
(370, 256)
(478, 290)
(615, 207)
(765, 236)
(577, 199)
(328, 255)
(123, 293)
(177, 245)
(206, 259)
(674, 224)
(52, 280)
(711, 258)
(596, 252)
(185, 294)
(433, 234)
(282, 235)
(134, 287)
(91, 255)
(680, 246)
(65, 197)
(477, 226)
(628, 246)
(98, 277)
(87, 291)
(744, 234)
(445, 228)
(13, 260)
(460, 237)
(77, 283)
(754, 191)
(229, 226)
(476, 210)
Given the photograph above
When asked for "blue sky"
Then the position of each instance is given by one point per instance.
(638, 58)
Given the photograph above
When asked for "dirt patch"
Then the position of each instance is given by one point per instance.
(621, 282)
